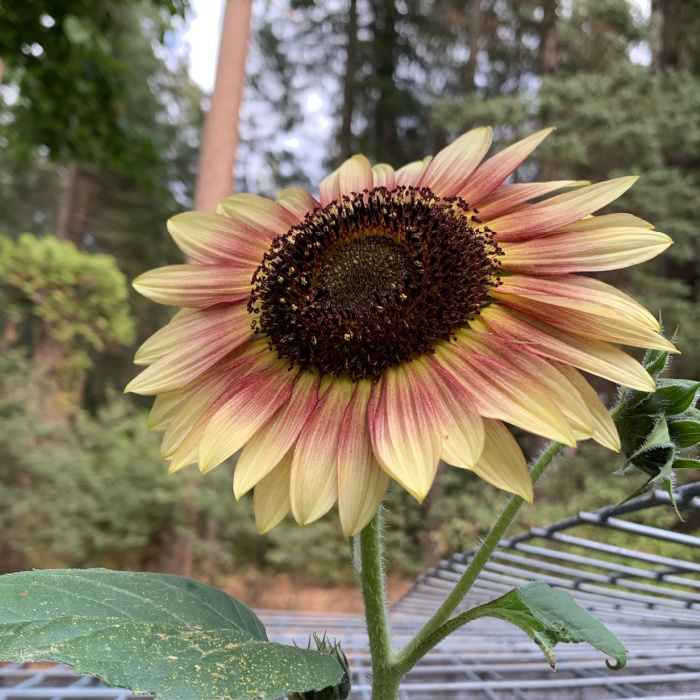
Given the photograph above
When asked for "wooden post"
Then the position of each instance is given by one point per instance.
(220, 139)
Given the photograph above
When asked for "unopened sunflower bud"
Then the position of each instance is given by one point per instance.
(655, 427)
(332, 692)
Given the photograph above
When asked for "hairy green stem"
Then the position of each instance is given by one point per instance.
(440, 625)
(385, 675)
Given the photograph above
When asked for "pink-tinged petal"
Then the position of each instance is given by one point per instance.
(329, 188)
(584, 294)
(268, 217)
(247, 407)
(267, 447)
(584, 251)
(384, 176)
(361, 481)
(607, 221)
(195, 286)
(507, 197)
(449, 172)
(271, 496)
(411, 174)
(199, 400)
(202, 338)
(461, 426)
(589, 324)
(298, 201)
(314, 478)
(230, 375)
(165, 408)
(355, 175)
(556, 387)
(496, 169)
(533, 220)
(604, 430)
(404, 429)
(500, 390)
(189, 327)
(213, 239)
(502, 462)
(593, 356)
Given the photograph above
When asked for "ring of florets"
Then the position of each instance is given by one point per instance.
(372, 280)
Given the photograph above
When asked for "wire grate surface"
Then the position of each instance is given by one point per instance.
(651, 602)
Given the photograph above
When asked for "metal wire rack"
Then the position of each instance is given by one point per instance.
(651, 601)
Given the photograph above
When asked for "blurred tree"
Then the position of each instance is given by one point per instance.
(220, 138)
(65, 305)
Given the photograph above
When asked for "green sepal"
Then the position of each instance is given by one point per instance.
(672, 397)
(655, 362)
(685, 463)
(550, 615)
(684, 433)
(339, 691)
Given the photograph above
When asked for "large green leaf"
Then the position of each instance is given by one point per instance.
(550, 615)
(165, 635)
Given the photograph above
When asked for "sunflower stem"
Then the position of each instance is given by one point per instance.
(440, 625)
(385, 677)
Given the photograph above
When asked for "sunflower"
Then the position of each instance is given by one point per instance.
(397, 321)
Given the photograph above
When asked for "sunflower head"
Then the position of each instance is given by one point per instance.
(372, 280)
(400, 319)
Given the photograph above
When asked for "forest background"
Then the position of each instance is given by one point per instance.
(99, 142)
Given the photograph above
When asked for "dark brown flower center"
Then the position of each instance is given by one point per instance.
(373, 280)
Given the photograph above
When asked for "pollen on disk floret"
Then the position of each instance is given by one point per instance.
(373, 279)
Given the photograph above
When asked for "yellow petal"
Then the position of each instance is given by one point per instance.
(314, 478)
(268, 217)
(404, 430)
(355, 175)
(361, 481)
(482, 364)
(271, 496)
(496, 169)
(502, 462)
(584, 251)
(507, 197)
(195, 285)
(214, 239)
(604, 430)
(409, 175)
(247, 407)
(188, 347)
(449, 172)
(298, 201)
(533, 220)
(267, 447)
(594, 356)
(384, 176)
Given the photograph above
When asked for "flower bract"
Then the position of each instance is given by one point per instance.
(398, 320)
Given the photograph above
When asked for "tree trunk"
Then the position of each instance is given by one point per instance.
(349, 84)
(220, 139)
(387, 146)
(656, 29)
(73, 210)
(549, 54)
(475, 26)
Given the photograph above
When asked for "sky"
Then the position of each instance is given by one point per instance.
(203, 38)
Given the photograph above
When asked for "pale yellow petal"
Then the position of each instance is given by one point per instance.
(361, 481)
(271, 496)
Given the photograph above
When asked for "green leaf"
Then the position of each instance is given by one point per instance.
(165, 635)
(550, 615)
(684, 433)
